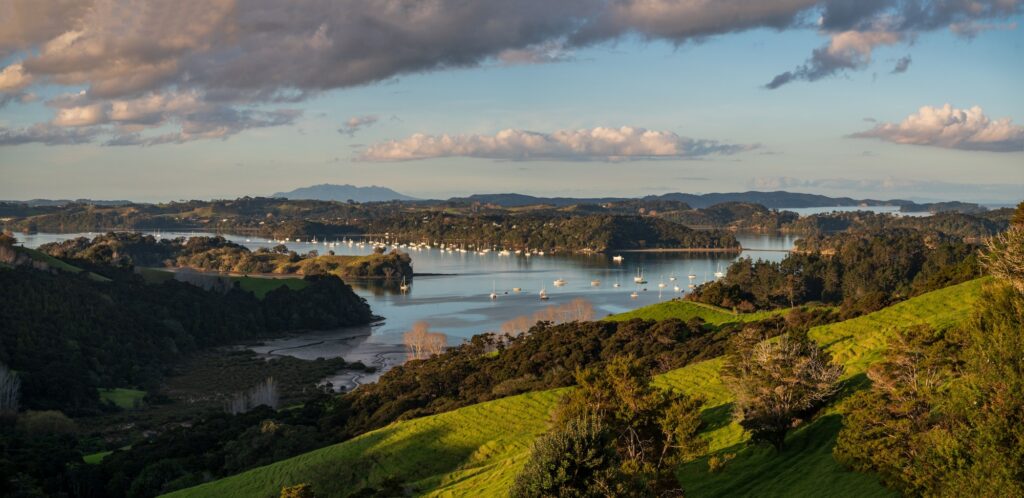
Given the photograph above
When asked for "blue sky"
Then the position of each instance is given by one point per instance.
(712, 89)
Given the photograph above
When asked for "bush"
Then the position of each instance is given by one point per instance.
(575, 460)
(46, 422)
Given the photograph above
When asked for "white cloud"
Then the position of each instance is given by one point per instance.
(603, 144)
(946, 126)
(14, 78)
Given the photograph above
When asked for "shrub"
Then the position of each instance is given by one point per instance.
(46, 422)
(575, 460)
(297, 491)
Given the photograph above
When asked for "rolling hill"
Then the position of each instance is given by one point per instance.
(477, 450)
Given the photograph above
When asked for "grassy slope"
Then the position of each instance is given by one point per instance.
(124, 398)
(477, 450)
(685, 310)
(57, 263)
(257, 285)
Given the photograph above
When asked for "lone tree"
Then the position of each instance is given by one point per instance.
(615, 435)
(777, 383)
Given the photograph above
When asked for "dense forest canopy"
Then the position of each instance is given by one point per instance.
(862, 271)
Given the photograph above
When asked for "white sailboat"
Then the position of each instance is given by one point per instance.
(494, 291)
(404, 287)
(719, 274)
(543, 294)
(639, 278)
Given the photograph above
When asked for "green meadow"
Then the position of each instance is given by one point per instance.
(477, 450)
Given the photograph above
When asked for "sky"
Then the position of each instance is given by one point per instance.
(153, 101)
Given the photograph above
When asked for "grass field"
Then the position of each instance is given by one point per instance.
(257, 285)
(57, 263)
(96, 458)
(477, 450)
(124, 398)
(686, 310)
(261, 286)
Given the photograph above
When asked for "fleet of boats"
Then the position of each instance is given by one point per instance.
(451, 248)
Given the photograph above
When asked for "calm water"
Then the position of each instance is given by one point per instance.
(453, 296)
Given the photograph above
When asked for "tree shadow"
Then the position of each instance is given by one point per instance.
(717, 417)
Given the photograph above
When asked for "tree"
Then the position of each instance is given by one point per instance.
(1018, 215)
(1004, 256)
(422, 343)
(10, 389)
(778, 382)
(650, 430)
(574, 460)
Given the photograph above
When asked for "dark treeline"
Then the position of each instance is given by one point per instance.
(861, 271)
(68, 335)
(965, 226)
(554, 232)
(126, 249)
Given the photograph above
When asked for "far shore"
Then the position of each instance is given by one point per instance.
(684, 249)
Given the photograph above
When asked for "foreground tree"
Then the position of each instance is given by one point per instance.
(777, 383)
(615, 435)
(945, 413)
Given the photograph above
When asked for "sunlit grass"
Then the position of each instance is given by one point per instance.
(477, 450)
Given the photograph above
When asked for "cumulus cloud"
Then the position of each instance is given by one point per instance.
(355, 123)
(946, 126)
(601, 144)
(261, 52)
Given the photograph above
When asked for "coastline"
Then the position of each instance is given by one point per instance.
(683, 249)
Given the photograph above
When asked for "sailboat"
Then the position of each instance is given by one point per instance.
(692, 276)
(639, 278)
(617, 258)
(662, 284)
(543, 294)
(719, 274)
(404, 287)
(494, 291)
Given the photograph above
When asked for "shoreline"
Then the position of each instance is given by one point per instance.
(683, 249)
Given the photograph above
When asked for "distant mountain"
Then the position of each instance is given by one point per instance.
(342, 193)
(65, 202)
(519, 200)
(773, 200)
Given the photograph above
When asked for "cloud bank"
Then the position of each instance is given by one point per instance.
(951, 128)
(230, 53)
(596, 144)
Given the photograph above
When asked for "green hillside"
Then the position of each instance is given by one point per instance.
(259, 286)
(57, 263)
(477, 450)
(686, 310)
